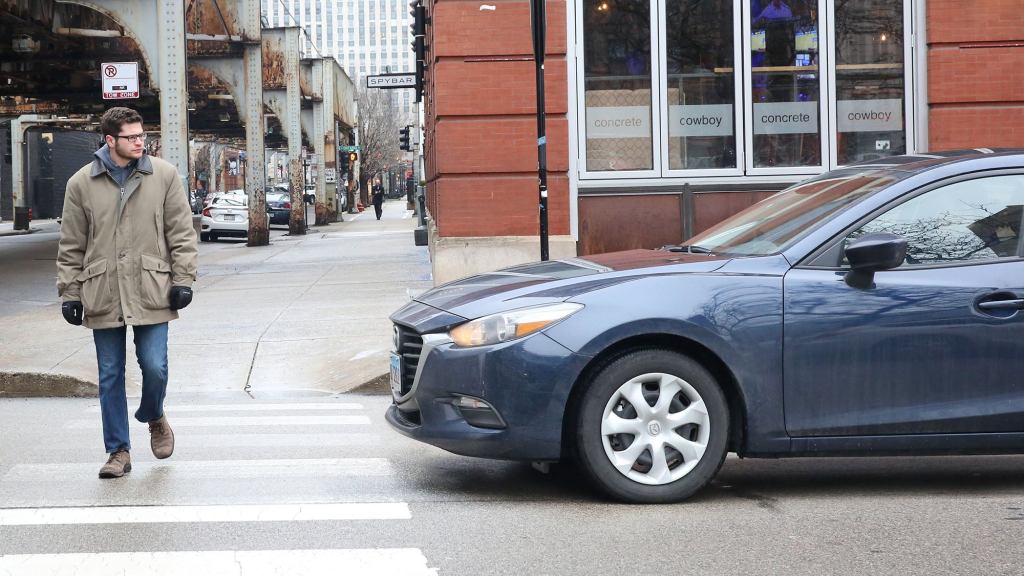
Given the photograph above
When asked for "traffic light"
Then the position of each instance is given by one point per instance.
(418, 29)
(403, 139)
(352, 158)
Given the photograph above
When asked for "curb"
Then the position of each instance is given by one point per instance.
(379, 386)
(39, 385)
(17, 232)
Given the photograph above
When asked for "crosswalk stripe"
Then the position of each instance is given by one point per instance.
(205, 421)
(173, 409)
(209, 513)
(184, 470)
(273, 440)
(383, 561)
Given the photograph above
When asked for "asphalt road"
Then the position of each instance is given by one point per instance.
(318, 484)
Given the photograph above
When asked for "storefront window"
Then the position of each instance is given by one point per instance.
(869, 80)
(617, 85)
(785, 83)
(717, 88)
(701, 84)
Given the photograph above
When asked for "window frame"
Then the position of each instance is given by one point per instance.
(581, 103)
(737, 106)
(909, 75)
(824, 126)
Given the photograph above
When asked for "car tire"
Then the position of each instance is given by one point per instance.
(204, 236)
(689, 427)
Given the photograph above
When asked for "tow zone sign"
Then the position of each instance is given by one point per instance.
(120, 80)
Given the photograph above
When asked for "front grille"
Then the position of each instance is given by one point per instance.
(408, 344)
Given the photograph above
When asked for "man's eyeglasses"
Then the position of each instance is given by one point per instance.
(133, 138)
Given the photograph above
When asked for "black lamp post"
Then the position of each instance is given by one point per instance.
(538, 26)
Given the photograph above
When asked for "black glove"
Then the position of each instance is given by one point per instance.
(73, 312)
(180, 297)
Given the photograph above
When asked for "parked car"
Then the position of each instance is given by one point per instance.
(208, 199)
(279, 206)
(227, 214)
(874, 309)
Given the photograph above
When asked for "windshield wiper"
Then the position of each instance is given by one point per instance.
(689, 248)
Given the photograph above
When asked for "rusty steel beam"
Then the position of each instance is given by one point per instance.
(319, 130)
(293, 129)
(255, 176)
(329, 163)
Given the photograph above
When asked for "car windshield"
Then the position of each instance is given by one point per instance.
(778, 222)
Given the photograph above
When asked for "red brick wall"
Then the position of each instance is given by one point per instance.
(975, 73)
(481, 127)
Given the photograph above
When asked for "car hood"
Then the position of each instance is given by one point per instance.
(555, 281)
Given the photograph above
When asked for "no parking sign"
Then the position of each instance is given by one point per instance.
(120, 80)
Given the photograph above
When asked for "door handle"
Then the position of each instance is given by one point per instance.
(1002, 305)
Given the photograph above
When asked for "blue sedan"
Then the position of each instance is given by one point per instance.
(875, 309)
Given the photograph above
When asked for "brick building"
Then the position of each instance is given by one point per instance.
(666, 116)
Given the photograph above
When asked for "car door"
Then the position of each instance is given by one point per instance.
(936, 345)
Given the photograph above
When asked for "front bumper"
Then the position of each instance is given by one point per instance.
(527, 383)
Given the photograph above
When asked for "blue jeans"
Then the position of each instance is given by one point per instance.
(151, 351)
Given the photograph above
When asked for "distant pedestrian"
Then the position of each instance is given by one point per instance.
(378, 198)
(127, 256)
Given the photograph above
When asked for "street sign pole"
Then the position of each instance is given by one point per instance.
(539, 26)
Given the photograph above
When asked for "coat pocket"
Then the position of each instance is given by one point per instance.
(96, 296)
(155, 288)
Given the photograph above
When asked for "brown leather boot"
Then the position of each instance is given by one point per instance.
(161, 438)
(119, 464)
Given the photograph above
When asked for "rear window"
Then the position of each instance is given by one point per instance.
(233, 200)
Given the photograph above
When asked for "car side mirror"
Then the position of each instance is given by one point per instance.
(872, 253)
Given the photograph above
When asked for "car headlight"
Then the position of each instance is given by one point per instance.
(510, 325)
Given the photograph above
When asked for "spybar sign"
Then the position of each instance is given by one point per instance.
(120, 80)
(391, 81)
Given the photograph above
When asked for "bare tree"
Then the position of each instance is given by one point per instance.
(379, 123)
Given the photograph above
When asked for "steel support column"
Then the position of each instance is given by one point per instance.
(318, 138)
(330, 155)
(18, 125)
(293, 130)
(256, 163)
(173, 86)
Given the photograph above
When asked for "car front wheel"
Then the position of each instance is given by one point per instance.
(652, 427)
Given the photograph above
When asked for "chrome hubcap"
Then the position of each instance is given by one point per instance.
(655, 428)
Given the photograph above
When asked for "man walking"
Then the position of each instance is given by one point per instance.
(127, 257)
(378, 198)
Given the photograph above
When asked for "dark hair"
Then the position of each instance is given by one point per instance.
(113, 119)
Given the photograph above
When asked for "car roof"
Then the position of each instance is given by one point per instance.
(927, 160)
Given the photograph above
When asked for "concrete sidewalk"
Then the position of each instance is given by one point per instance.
(7, 227)
(305, 313)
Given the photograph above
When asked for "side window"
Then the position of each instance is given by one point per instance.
(968, 221)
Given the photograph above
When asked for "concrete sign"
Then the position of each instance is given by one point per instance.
(618, 122)
(870, 115)
(120, 80)
(700, 120)
(391, 81)
(786, 118)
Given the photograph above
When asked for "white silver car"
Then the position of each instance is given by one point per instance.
(227, 215)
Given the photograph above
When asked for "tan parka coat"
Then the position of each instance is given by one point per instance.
(121, 249)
